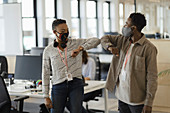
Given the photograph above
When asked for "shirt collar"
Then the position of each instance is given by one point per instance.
(140, 41)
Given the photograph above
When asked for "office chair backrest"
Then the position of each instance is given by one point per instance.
(5, 101)
(98, 69)
(3, 64)
(37, 51)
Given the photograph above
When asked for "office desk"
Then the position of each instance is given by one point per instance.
(96, 85)
(92, 86)
(105, 58)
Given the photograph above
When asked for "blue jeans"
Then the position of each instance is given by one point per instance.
(72, 91)
(126, 108)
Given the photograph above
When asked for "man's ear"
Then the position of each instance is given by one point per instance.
(134, 28)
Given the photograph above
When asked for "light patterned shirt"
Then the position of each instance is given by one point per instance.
(53, 61)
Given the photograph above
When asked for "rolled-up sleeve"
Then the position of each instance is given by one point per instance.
(88, 43)
(111, 40)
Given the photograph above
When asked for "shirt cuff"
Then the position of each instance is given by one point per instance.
(148, 102)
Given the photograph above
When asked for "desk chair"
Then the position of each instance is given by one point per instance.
(5, 101)
(37, 51)
(98, 93)
(3, 65)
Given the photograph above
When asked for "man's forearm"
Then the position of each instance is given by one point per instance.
(91, 43)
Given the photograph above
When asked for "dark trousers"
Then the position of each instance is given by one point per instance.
(126, 108)
(72, 91)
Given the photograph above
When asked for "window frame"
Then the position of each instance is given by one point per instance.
(78, 17)
(36, 24)
(55, 14)
(109, 15)
(96, 17)
(121, 17)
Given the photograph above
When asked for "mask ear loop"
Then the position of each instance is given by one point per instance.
(60, 35)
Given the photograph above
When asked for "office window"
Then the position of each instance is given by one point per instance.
(106, 16)
(29, 33)
(1, 1)
(29, 24)
(50, 12)
(49, 8)
(75, 18)
(121, 16)
(27, 8)
(160, 19)
(92, 18)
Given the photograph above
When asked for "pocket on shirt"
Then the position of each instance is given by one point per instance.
(139, 63)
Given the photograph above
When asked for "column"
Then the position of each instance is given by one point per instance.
(114, 15)
(64, 11)
(100, 18)
(83, 19)
(41, 22)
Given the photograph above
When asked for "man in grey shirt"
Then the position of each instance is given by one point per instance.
(64, 58)
(133, 68)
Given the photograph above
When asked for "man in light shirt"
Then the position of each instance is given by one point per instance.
(64, 58)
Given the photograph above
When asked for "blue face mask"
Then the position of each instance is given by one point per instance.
(127, 31)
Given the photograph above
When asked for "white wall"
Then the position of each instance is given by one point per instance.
(163, 53)
(41, 21)
(11, 42)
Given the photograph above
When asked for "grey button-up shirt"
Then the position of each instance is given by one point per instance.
(142, 70)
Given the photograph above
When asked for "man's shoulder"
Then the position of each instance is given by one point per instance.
(149, 44)
(47, 48)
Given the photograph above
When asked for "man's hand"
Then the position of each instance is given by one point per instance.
(48, 103)
(75, 52)
(86, 78)
(114, 50)
(147, 109)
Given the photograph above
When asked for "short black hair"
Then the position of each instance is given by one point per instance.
(138, 20)
(57, 22)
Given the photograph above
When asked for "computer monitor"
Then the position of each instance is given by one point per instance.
(111, 33)
(28, 67)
